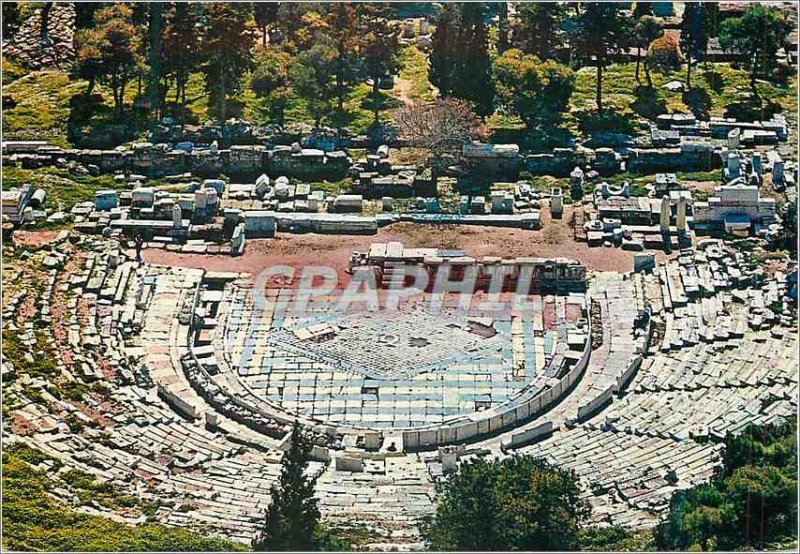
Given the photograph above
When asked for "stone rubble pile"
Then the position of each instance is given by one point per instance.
(56, 50)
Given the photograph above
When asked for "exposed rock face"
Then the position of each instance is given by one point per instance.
(57, 49)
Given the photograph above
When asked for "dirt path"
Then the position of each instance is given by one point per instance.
(401, 89)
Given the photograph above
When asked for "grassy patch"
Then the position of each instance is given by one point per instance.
(50, 105)
(34, 521)
(37, 365)
(415, 71)
(12, 71)
(333, 188)
(63, 190)
(358, 116)
(615, 538)
(42, 106)
(714, 90)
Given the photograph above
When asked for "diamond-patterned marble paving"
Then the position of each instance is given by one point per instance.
(354, 382)
(391, 344)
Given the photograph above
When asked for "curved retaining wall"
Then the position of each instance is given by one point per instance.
(503, 417)
(478, 424)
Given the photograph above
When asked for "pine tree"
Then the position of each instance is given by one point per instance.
(110, 51)
(12, 19)
(646, 31)
(44, 23)
(84, 13)
(502, 27)
(180, 50)
(379, 52)
(444, 55)
(694, 36)
(473, 78)
(293, 516)
(228, 39)
(640, 10)
(601, 29)
(265, 13)
(459, 62)
(344, 35)
(536, 30)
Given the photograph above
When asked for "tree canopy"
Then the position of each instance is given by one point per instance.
(601, 29)
(755, 38)
(180, 46)
(536, 91)
(110, 51)
(518, 503)
(751, 502)
(537, 28)
(271, 80)
(459, 63)
(227, 41)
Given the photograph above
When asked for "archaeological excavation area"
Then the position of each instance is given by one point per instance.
(498, 262)
(630, 379)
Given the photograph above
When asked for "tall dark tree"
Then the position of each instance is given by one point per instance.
(711, 18)
(180, 50)
(755, 38)
(502, 27)
(84, 13)
(227, 42)
(293, 516)
(444, 54)
(155, 29)
(379, 52)
(148, 38)
(459, 61)
(11, 19)
(646, 31)
(291, 19)
(266, 14)
(518, 503)
(472, 80)
(642, 8)
(344, 36)
(602, 28)
(44, 23)
(537, 28)
(694, 36)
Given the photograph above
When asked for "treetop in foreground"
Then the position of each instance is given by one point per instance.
(518, 503)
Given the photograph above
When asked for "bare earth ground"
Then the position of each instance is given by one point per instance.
(401, 89)
(553, 240)
(35, 238)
